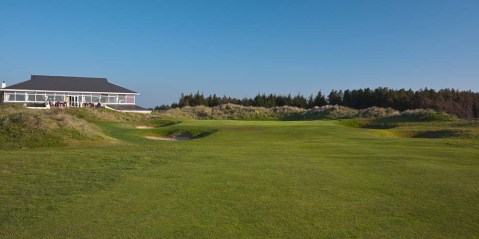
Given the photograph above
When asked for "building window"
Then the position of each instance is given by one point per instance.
(40, 97)
(130, 99)
(9, 96)
(51, 98)
(31, 97)
(104, 99)
(112, 99)
(20, 96)
(121, 99)
(95, 98)
(59, 98)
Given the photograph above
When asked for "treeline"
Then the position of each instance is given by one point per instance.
(463, 104)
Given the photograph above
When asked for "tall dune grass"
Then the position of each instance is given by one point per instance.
(232, 111)
(21, 127)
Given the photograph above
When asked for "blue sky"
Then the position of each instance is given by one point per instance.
(242, 47)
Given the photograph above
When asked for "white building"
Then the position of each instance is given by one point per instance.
(67, 91)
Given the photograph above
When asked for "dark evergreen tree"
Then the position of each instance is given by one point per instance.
(464, 104)
(335, 98)
(319, 99)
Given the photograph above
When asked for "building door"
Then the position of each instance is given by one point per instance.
(74, 101)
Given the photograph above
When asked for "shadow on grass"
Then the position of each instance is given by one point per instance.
(379, 126)
(445, 133)
(419, 129)
(189, 133)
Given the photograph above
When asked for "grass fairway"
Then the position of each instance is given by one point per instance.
(247, 179)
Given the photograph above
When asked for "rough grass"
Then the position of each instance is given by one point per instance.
(226, 111)
(21, 127)
(249, 179)
(417, 124)
(238, 112)
(418, 115)
(94, 115)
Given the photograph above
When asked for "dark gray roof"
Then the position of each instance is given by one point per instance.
(69, 83)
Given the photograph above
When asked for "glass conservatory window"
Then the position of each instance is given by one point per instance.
(104, 99)
(59, 98)
(130, 99)
(9, 96)
(40, 97)
(50, 98)
(112, 99)
(20, 96)
(121, 99)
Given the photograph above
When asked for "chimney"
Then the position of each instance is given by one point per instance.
(4, 84)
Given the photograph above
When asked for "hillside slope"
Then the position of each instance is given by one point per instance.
(21, 127)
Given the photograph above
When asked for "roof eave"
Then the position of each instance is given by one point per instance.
(63, 91)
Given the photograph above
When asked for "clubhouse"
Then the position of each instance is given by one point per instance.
(66, 91)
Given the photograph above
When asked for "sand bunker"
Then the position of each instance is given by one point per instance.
(168, 139)
(160, 138)
(144, 127)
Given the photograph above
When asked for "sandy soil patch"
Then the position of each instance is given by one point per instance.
(180, 137)
(160, 138)
(143, 127)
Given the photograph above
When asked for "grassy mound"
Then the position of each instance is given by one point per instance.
(238, 112)
(420, 115)
(379, 118)
(417, 124)
(330, 111)
(94, 114)
(226, 111)
(377, 112)
(21, 127)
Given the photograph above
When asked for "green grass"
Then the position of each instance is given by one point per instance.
(246, 179)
